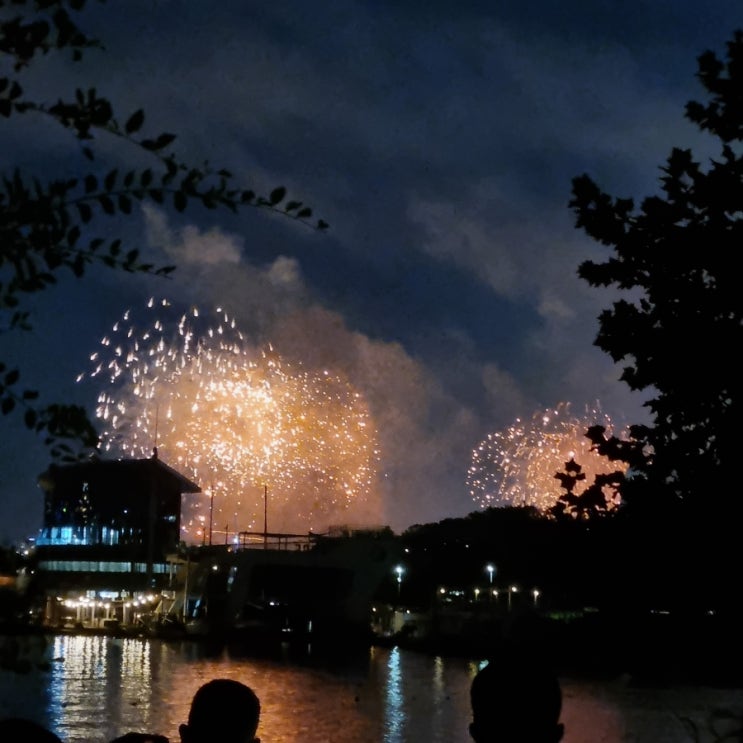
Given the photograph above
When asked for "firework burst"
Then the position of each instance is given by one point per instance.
(244, 425)
(517, 466)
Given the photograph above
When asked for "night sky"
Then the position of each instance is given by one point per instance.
(439, 141)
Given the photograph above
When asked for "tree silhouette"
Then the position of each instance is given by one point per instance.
(677, 331)
(598, 499)
(676, 259)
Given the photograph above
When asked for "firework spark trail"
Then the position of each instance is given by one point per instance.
(236, 424)
(517, 466)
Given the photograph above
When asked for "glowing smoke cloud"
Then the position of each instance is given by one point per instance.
(517, 467)
(241, 426)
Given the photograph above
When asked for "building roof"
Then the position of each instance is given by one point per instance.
(157, 465)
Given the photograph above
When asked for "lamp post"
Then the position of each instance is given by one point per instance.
(399, 572)
(477, 594)
(511, 591)
(535, 594)
(490, 568)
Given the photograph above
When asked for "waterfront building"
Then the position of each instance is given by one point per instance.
(109, 558)
(111, 530)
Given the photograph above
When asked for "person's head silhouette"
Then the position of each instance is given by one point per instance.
(224, 711)
(515, 698)
(17, 729)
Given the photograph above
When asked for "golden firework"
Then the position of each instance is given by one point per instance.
(517, 466)
(243, 424)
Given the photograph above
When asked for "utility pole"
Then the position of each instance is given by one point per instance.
(265, 517)
(185, 586)
(211, 515)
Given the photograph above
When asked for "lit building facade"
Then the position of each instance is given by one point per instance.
(109, 527)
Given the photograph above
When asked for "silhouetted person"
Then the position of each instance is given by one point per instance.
(19, 730)
(222, 711)
(515, 698)
(140, 738)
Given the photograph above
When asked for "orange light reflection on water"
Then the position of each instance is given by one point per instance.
(99, 688)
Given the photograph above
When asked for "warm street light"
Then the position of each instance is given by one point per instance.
(477, 594)
(511, 591)
(535, 593)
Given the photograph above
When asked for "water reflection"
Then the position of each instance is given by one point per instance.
(99, 688)
(97, 681)
(394, 714)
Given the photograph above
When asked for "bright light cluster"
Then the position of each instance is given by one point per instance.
(260, 438)
(517, 467)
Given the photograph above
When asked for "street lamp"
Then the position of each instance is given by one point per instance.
(535, 593)
(399, 572)
(477, 594)
(490, 568)
(511, 591)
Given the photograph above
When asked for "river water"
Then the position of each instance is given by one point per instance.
(96, 688)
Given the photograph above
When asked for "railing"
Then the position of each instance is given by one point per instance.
(275, 541)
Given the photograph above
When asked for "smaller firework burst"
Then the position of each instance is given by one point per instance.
(517, 466)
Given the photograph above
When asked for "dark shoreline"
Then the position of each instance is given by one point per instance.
(657, 650)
